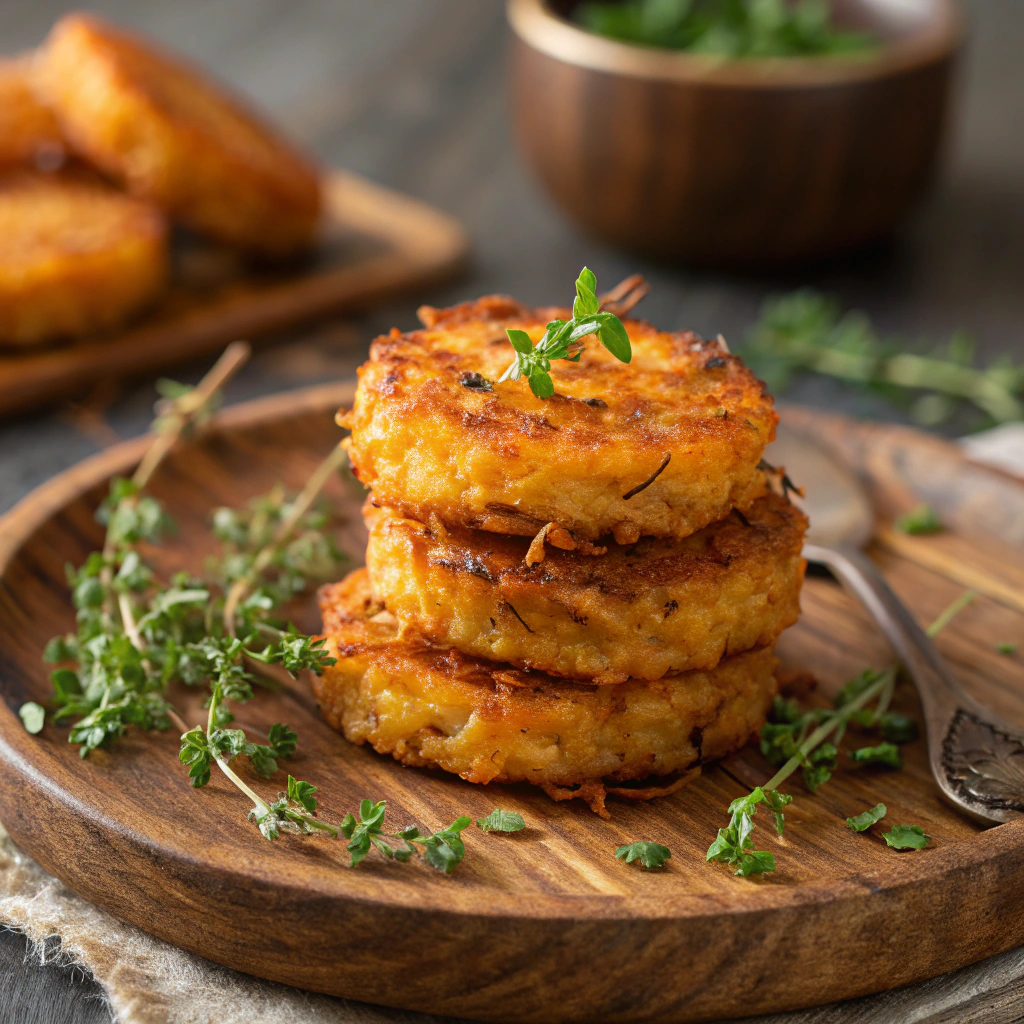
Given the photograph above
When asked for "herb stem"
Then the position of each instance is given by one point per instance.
(314, 485)
(184, 411)
(841, 717)
(951, 612)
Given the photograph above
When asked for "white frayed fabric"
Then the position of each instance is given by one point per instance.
(148, 981)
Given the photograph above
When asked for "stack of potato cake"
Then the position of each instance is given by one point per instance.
(581, 591)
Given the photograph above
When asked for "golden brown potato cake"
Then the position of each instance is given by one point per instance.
(643, 610)
(661, 446)
(75, 257)
(28, 129)
(431, 706)
(176, 138)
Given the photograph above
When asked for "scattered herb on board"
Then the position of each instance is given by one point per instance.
(563, 339)
(919, 521)
(725, 28)
(809, 741)
(906, 837)
(648, 855)
(807, 331)
(872, 816)
(1007, 649)
(137, 634)
(501, 821)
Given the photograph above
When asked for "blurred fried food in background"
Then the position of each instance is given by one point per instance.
(78, 256)
(28, 129)
(177, 139)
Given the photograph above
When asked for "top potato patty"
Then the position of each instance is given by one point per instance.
(661, 446)
(176, 138)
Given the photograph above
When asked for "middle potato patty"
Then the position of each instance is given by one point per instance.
(642, 610)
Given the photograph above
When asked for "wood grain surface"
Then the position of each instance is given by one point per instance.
(373, 243)
(545, 925)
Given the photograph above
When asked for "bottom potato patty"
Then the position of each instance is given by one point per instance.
(431, 706)
(642, 610)
(75, 257)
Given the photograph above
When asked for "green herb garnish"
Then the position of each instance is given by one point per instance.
(906, 837)
(862, 822)
(809, 740)
(442, 850)
(1006, 649)
(563, 339)
(501, 821)
(806, 331)
(921, 520)
(735, 845)
(648, 855)
(33, 717)
(886, 755)
(725, 28)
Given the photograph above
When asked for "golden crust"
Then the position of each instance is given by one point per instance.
(661, 447)
(28, 130)
(75, 257)
(643, 610)
(428, 706)
(175, 138)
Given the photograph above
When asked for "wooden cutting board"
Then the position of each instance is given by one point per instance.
(373, 242)
(545, 925)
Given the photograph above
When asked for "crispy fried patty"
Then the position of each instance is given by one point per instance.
(75, 257)
(642, 610)
(428, 705)
(661, 446)
(28, 129)
(176, 138)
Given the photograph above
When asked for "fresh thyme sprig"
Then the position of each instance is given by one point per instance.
(808, 331)
(136, 635)
(809, 742)
(563, 339)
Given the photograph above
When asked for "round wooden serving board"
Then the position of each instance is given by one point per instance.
(544, 925)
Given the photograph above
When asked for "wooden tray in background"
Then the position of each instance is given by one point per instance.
(545, 925)
(374, 242)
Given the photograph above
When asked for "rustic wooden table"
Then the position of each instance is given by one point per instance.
(412, 93)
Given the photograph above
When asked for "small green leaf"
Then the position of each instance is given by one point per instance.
(501, 821)
(541, 384)
(898, 728)
(886, 755)
(1006, 649)
(302, 793)
(869, 817)
(282, 740)
(33, 717)
(906, 837)
(756, 862)
(649, 855)
(586, 295)
(921, 520)
(614, 337)
(521, 341)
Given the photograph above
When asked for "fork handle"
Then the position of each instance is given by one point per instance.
(976, 757)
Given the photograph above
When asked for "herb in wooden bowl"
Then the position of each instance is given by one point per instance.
(726, 28)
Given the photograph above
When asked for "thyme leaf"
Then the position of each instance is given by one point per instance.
(563, 339)
(501, 821)
(647, 854)
(862, 822)
(906, 837)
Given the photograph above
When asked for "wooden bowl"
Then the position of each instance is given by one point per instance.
(735, 162)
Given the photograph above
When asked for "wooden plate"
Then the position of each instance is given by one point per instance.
(545, 925)
(374, 242)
